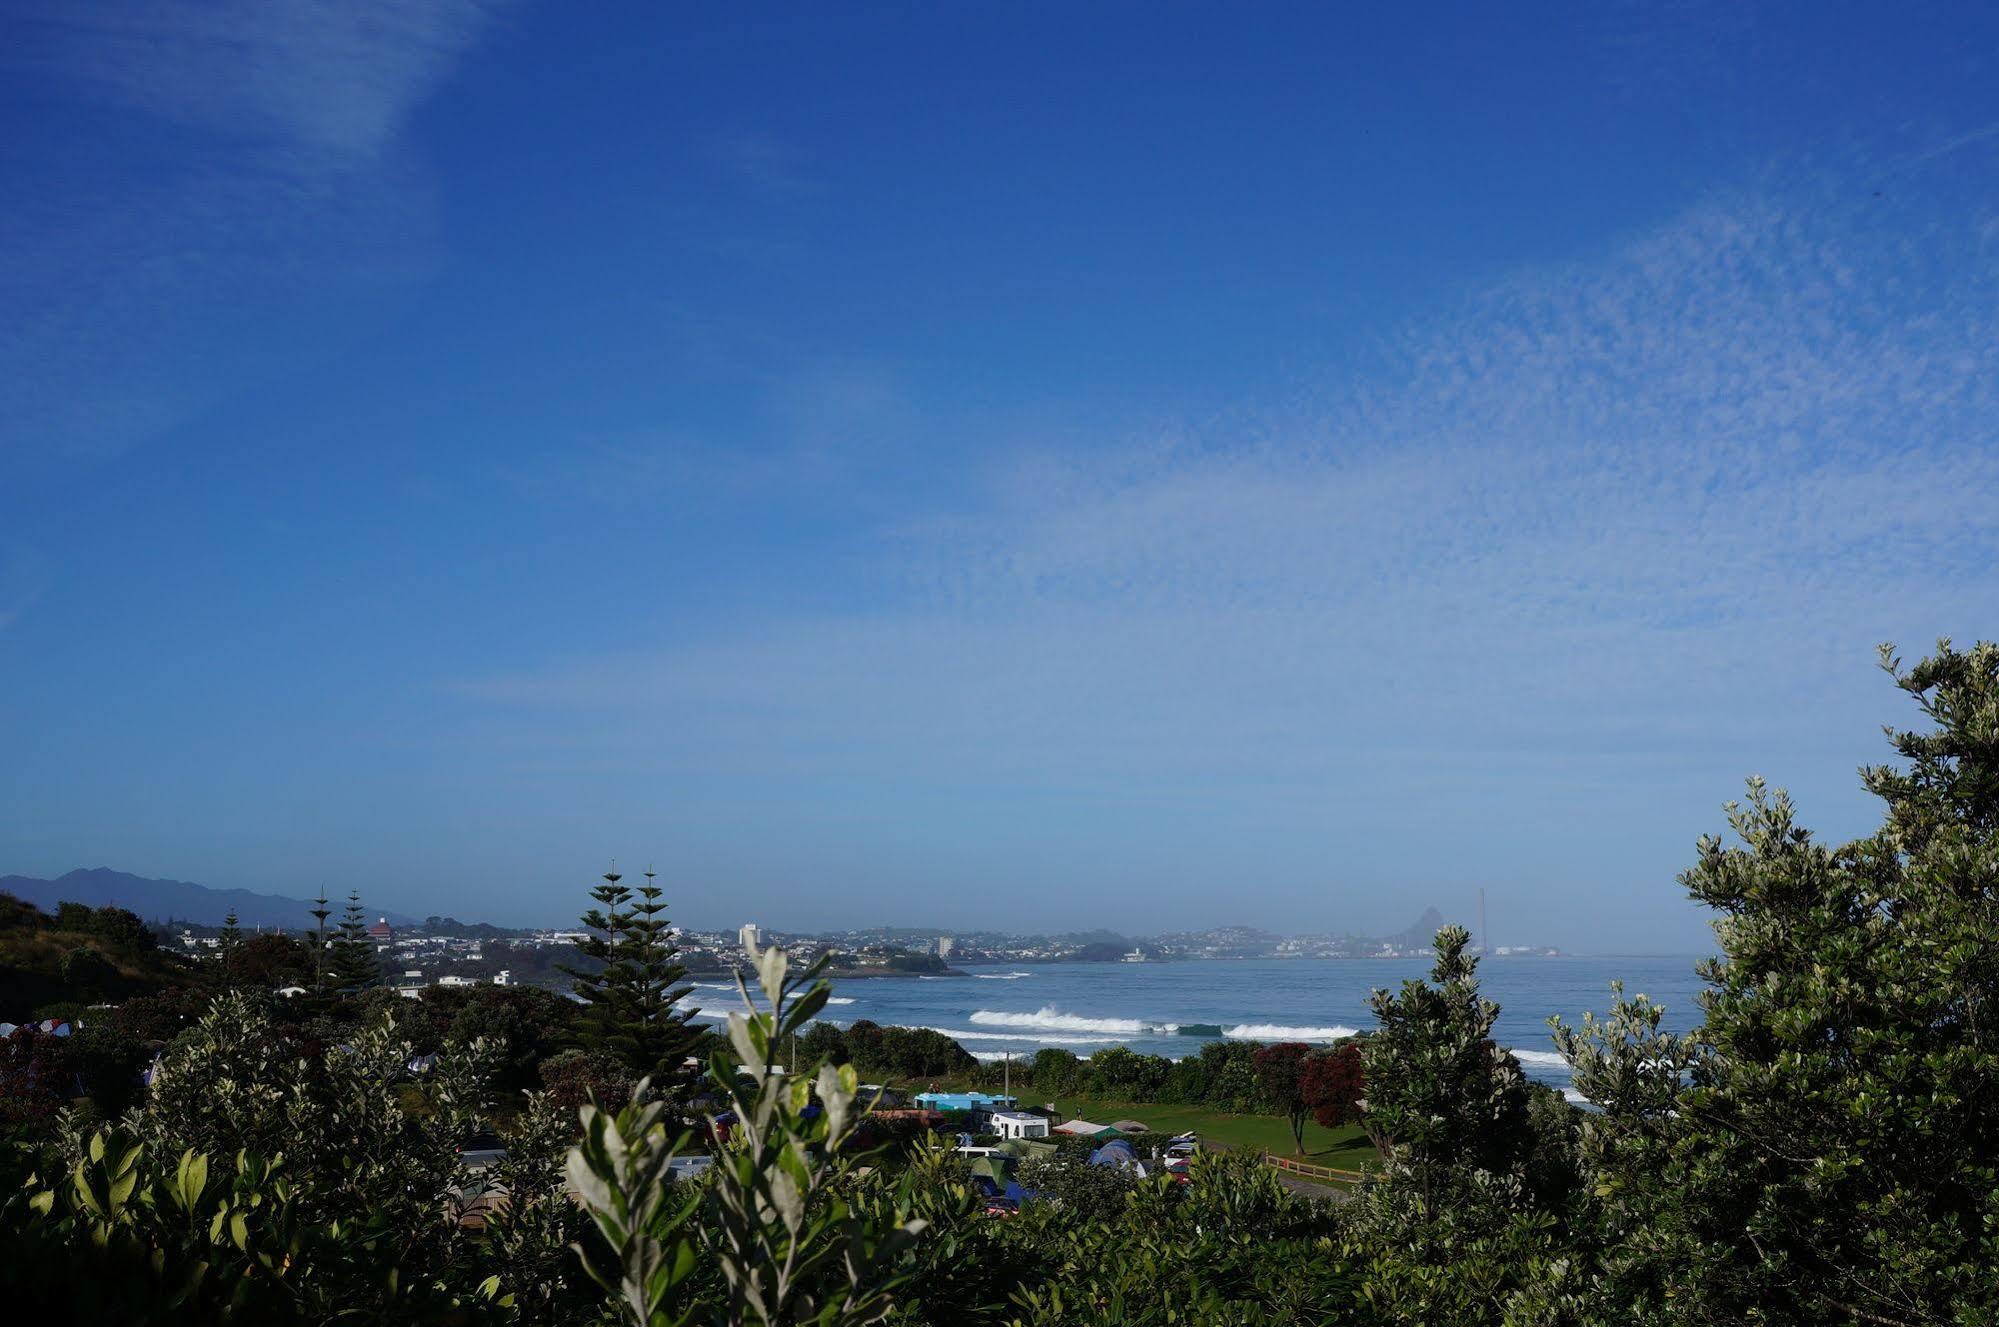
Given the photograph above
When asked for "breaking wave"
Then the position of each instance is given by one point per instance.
(1001, 976)
(1037, 1038)
(839, 999)
(1546, 1059)
(1050, 1019)
(1280, 1032)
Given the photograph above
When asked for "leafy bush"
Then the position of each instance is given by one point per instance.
(824, 1042)
(88, 974)
(37, 1077)
(1084, 1192)
(1055, 1071)
(774, 1218)
(121, 929)
(576, 1078)
(914, 1053)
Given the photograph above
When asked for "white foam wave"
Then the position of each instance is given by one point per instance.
(714, 985)
(839, 999)
(1050, 1019)
(1037, 1038)
(1001, 976)
(1547, 1059)
(1280, 1032)
(1574, 1097)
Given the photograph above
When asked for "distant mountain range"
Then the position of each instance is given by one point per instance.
(159, 900)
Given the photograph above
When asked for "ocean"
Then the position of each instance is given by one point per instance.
(1169, 1008)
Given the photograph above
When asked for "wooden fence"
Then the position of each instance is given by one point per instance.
(1329, 1174)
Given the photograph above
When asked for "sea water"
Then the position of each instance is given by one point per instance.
(1170, 1008)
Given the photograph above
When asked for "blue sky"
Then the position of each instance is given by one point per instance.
(1152, 466)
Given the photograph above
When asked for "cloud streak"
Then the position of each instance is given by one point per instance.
(1621, 530)
(330, 76)
(215, 168)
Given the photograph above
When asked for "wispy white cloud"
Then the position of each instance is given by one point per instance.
(334, 76)
(1616, 535)
(250, 164)
(1957, 143)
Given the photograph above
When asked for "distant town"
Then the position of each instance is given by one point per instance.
(443, 951)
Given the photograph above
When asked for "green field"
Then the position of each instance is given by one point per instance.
(1346, 1148)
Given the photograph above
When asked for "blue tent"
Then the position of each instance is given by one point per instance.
(1118, 1152)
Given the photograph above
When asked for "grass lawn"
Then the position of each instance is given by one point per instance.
(1346, 1148)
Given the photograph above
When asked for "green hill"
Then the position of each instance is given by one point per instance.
(84, 956)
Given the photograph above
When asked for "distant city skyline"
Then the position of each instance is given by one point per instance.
(190, 903)
(876, 464)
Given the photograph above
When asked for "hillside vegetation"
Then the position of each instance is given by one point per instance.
(78, 954)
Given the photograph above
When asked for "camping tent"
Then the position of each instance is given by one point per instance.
(1083, 1128)
(1118, 1153)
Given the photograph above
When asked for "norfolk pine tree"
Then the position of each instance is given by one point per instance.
(658, 1037)
(602, 983)
(634, 997)
(354, 964)
(320, 912)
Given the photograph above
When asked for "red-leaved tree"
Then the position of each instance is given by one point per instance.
(1332, 1084)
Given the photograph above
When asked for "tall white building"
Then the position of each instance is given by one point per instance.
(752, 936)
(944, 946)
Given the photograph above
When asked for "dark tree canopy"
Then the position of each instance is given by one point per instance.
(1832, 1154)
(1333, 1083)
(1279, 1071)
(633, 982)
(352, 962)
(270, 960)
(1439, 1092)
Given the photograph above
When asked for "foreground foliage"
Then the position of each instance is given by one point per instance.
(1824, 1149)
